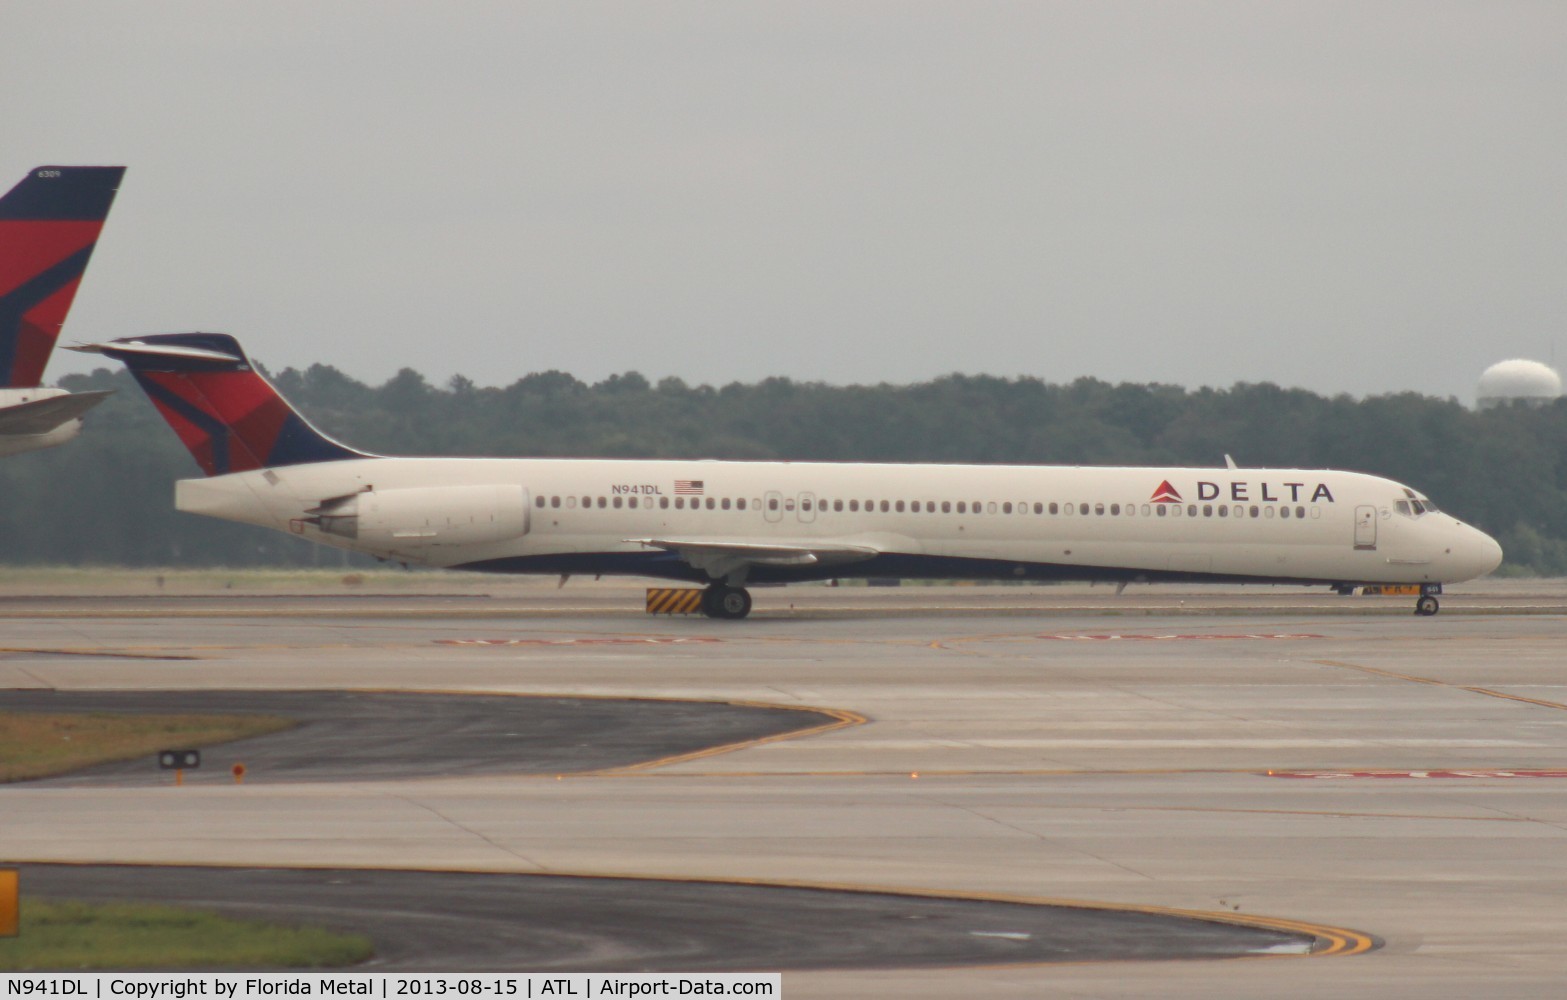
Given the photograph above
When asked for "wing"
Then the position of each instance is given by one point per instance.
(719, 557)
(43, 415)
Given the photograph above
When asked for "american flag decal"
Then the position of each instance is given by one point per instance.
(688, 487)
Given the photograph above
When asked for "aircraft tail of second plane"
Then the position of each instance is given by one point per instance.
(49, 225)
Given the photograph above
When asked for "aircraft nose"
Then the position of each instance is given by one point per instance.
(1477, 553)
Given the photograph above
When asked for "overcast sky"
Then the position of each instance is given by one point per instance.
(1351, 197)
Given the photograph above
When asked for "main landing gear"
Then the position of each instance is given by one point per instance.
(723, 601)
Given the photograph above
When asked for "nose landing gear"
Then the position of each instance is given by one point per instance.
(722, 601)
(1427, 605)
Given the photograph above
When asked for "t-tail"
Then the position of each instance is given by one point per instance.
(229, 417)
(49, 224)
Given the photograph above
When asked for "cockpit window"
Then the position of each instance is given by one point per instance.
(1415, 506)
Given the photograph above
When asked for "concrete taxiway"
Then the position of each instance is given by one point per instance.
(1346, 766)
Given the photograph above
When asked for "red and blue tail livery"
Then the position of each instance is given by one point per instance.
(49, 225)
(229, 417)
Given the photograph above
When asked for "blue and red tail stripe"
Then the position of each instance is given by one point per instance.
(227, 415)
(49, 225)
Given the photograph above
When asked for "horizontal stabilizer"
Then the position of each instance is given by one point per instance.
(43, 415)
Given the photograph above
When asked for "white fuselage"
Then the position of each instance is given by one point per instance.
(1024, 522)
(16, 443)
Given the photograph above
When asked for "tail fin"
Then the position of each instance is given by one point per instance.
(228, 416)
(49, 224)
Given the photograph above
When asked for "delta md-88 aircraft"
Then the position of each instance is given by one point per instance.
(726, 524)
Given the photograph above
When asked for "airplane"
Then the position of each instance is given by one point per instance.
(49, 225)
(725, 524)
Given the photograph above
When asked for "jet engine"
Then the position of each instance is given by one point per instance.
(410, 520)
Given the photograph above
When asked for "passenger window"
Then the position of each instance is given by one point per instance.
(618, 502)
(724, 503)
(1082, 508)
(631, 502)
(1176, 510)
(1099, 510)
(1267, 512)
(946, 506)
(1254, 510)
(854, 505)
(603, 503)
(962, 507)
(555, 502)
(1115, 510)
(1146, 511)
(740, 504)
(772, 504)
(680, 503)
(1006, 508)
(709, 503)
(1284, 512)
(571, 503)
(1069, 509)
(837, 506)
(539, 502)
(1055, 508)
(1207, 510)
(1039, 508)
(884, 506)
(899, 506)
(1191, 511)
(930, 506)
(1224, 511)
(663, 503)
(1161, 508)
(1300, 512)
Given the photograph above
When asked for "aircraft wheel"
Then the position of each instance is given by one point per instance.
(1427, 605)
(726, 602)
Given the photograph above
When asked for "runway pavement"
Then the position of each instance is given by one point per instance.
(469, 922)
(379, 735)
(1349, 765)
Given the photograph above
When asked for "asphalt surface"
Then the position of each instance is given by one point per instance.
(1332, 763)
(446, 921)
(360, 736)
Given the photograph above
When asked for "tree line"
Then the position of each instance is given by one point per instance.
(107, 497)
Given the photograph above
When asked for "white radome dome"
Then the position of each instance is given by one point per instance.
(1518, 379)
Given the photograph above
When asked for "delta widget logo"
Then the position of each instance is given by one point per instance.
(1166, 493)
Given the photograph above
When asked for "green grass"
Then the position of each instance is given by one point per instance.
(36, 745)
(66, 935)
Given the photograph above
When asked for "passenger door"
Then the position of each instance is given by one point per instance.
(1365, 527)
